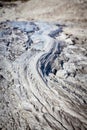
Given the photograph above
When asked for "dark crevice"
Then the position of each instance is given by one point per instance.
(54, 71)
(62, 63)
(1, 77)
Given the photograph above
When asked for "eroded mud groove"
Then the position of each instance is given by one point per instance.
(43, 78)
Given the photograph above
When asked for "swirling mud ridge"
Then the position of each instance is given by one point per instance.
(43, 78)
